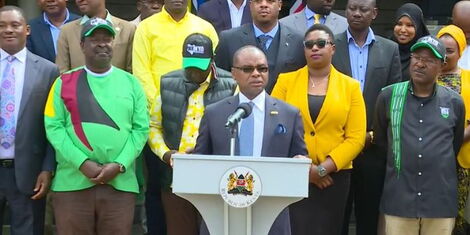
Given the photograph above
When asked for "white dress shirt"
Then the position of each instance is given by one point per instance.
(464, 61)
(19, 65)
(258, 110)
(235, 13)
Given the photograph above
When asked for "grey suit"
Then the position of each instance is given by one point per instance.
(298, 21)
(383, 69)
(289, 57)
(215, 139)
(33, 154)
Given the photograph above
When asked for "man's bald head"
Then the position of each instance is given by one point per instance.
(247, 51)
(460, 15)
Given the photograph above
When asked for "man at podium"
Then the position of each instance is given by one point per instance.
(272, 129)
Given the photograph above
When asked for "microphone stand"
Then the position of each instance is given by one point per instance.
(233, 134)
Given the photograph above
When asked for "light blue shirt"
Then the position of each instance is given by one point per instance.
(19, 65)
(55, 31)
(358, 56)
(258, 110)
(271, 33)
(309, 14)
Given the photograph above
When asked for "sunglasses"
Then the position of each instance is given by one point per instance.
(321, 43)
(250, 69)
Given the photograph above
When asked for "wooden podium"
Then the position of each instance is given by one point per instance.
(257, 189)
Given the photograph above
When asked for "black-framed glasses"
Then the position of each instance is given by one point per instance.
(250, 69)
(321, 43)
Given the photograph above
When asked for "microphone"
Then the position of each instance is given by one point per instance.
(243, 110)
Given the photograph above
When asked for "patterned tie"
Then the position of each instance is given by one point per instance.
(317, 18)
(7, 105)
(262, 40)
(246, 135)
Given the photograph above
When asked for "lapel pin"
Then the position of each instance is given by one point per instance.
(274, 113)
(287, 44)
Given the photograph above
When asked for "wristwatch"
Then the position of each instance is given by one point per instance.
(122, 168)
(321, 171)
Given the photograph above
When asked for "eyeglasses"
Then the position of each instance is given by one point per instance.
(424, 59)
(321, 43)
(250, 69)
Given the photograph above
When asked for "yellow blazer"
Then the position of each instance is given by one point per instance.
(464, 154)
(340, 128)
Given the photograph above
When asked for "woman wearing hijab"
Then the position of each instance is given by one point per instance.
(458, 80)
(409, 27)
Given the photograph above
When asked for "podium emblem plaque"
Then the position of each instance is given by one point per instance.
(240, 187)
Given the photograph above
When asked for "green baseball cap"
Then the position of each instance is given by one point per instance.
(434, 44)
(197, 51)
(96, 23)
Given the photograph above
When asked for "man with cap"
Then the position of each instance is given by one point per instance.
(96, 119)
(175, 117)
(419, 127)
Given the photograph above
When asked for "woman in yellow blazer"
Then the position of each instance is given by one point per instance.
(334, 118)
(458, 80)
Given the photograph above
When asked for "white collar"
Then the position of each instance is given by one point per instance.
(259, 100)
(20, 55)
(98, 74)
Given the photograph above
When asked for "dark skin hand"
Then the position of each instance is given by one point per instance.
(321, 182)
(368, 141)
(43, 182)
(108, 172)
(90, 169)
(167, 157)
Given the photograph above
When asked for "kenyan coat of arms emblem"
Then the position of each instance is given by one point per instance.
(240, 187)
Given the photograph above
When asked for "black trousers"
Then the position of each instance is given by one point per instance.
(26, 215)
(153, 200)
(322, 212)
(367, 181)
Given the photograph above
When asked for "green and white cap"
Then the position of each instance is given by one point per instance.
(434, 44)
(96, 23)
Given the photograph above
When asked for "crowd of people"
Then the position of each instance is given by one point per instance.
(94, 107)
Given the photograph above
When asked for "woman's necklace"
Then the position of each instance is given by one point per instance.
(321, 80)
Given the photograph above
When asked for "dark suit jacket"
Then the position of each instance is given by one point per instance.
(290, 53)
(217, 13)
(383, 68)
(214, 138)
(40, 39)
(33, 154)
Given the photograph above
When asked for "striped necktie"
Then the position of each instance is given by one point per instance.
(7, 105)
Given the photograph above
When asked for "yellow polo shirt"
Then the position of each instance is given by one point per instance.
(158, 46)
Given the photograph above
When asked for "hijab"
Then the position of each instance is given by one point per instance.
(416, 16)
(457, 34)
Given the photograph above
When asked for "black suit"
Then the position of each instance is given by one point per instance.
(290, 52)
(40, 39)
(33, 153)
(383, 69)
(217, 12)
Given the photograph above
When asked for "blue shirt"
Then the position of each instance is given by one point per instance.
(358, 56)
(55, 31)
(309, 14)
(271, 33)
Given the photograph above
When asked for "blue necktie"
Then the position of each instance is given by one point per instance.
(7, 105)
(263, 41)
(247, 134)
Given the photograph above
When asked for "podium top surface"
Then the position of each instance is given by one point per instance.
(204, 174)
(241, 158)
